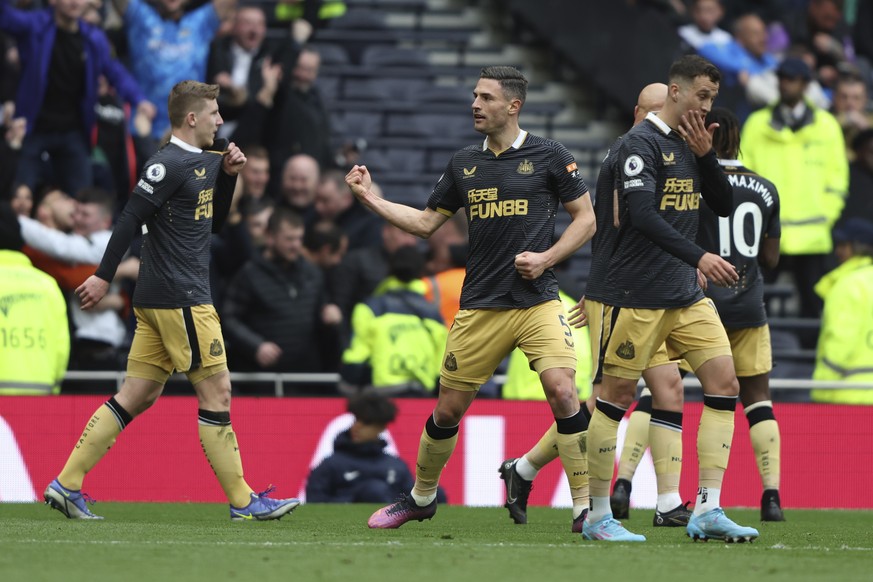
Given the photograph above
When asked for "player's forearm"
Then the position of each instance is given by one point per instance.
(134, 215)
(578, 232)
(416, 222)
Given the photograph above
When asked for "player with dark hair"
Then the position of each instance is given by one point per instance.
(661, 375)
(748, 238)
(652, 295)
(509, 187)
(183, 197)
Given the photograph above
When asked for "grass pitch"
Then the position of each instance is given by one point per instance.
(194, 542)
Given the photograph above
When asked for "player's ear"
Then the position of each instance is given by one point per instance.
(191, 119)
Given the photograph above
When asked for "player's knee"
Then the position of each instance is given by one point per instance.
(446, 416)
(563, 399)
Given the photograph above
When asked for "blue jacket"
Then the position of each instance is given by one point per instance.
(353, 468)
(35, 30)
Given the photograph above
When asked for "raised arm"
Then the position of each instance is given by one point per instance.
(421, 223)
(224, 8)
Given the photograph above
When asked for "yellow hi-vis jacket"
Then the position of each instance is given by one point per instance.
(522, 383)
(34, 335)
(810, 170)
(398, 339)
(845, 345)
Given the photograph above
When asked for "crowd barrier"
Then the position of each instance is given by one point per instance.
(158, 457)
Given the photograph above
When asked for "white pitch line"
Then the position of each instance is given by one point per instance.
(388, 543)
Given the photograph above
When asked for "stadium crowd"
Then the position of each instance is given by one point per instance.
(300, 266)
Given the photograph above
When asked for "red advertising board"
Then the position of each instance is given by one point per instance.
(158, 457)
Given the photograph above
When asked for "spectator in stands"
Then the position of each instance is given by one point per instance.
(443, 288)
(859, 203)
(745, 57)
(763, 89)
(844, 348)
(359, 470)
(800, 148)
(293, 119)
(299, 184)
(168, 45)
(235, 63)
(122, 143)
(257, 215)
(34, 337)
(325, 244)
(10, 147)
(231, 248)
(825, 32)
(255, 176)
(275, 312)
(62, 57)
(22, 201)
(99, 333)
(440, 245)
(851, 108)
(361, 271)
(335, 202)
(55, 210)
(703, 28)
(398, 336)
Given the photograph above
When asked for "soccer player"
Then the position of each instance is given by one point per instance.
(509, 187)
(662, 374)
(664, 165)
(183, 196)
(748, 238)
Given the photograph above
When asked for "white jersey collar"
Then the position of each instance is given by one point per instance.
(185, 145)
(730, 162)
(659, 123)
(522, 135)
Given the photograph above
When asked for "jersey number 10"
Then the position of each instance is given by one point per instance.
(726, 231)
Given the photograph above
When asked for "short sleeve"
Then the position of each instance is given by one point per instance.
(565, 176)
(445, 197)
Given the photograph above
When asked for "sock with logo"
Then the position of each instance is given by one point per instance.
(666, 433)
(766, 441)
(222, 451)
(542, 453)
(571, 435)
(714, 437)
(97, 438)
(434, 449)
(602, 436)
(636, 439)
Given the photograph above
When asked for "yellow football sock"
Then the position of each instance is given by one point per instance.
(546, 450)
(636, 441)
(667, 456)
(97, 438)
(222, 451)
(434, 449)
(602, 437)
(714, 438)
(766, 442)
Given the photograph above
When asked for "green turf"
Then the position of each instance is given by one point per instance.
(193, 542)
